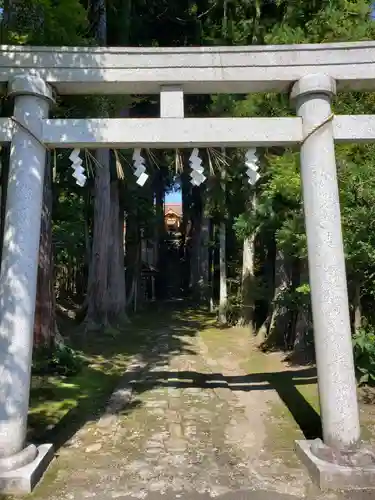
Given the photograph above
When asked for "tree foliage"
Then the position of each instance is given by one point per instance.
(269, 217)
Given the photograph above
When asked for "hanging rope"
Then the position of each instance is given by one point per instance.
(25, 128)
(318, 127)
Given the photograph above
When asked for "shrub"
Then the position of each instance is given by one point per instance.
(364, 355)
(57, 360)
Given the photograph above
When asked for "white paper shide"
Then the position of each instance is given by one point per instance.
(78, 173)
(196, 175)
(251, 162)
(140, 167)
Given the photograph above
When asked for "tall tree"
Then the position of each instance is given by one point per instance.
(223, 299)
(45, 327)
(97, 288)
(41, 22)
(248, 274)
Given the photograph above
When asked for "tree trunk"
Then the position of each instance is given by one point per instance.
(247, 284)
(300, 321)
(45, 325)
(99, 16)
(159, 238)
(133, 257)
(116, 271)
(357, 307)
(119, 18)
(137, 276)
(159, 211)
(248, 278)
(223, 301)
(268, 272)
(200, 258)
(97, 303)
(211, 255)
(299, 337)
(87, 229)
(301, 331)
(302, 351)
(279, 324)
(223, 296)
(185, 231)
(195, 241)
(205, 257)
(195, 255)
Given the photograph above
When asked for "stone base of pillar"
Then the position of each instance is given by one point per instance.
(330, 475)
(24, 479)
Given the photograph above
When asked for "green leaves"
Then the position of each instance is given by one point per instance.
(364, 355)
(46, 22)
(59, 359)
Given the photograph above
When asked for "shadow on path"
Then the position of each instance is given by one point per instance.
(154, 337)
(284, 383)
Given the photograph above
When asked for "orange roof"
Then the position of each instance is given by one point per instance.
(173, 207)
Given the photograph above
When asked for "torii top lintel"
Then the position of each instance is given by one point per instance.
(199, 70)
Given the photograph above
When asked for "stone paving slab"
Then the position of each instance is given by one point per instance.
(180, 441)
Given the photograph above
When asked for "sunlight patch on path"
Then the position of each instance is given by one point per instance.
(200, 423)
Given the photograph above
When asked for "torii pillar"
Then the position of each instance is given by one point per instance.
(339, 461)
(21, 464)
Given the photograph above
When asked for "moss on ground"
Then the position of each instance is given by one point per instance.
(59, 405)
(294, 411)
(59, 402)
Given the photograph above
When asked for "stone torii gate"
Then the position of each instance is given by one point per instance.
(313, 73)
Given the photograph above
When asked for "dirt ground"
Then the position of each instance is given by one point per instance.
(211, 416)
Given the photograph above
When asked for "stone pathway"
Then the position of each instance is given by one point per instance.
(186, 434)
